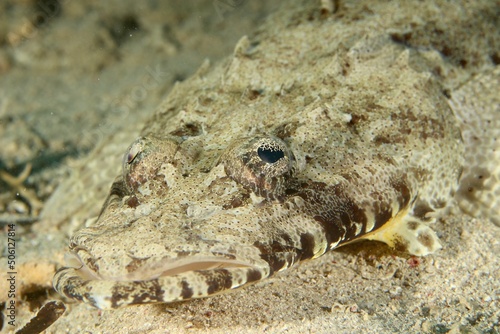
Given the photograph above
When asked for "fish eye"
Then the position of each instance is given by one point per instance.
(270, 154)
(261, 164)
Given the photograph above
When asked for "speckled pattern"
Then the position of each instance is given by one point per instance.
(279, 155)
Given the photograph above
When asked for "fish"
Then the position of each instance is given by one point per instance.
(318, 131)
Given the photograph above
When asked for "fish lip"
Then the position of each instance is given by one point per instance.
(163, 268)
(207, 264)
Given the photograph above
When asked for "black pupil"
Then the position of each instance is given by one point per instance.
(270, 156)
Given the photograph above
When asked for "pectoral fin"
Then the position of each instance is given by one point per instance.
(407, 233)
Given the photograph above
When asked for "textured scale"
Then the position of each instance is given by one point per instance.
(274, 157)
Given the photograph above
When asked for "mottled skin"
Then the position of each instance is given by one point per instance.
(270, 158)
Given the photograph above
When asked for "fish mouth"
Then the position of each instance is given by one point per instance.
(180, 267)
(142, 270)
(177, 281)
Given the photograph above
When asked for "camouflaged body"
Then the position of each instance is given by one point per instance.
(277, 155)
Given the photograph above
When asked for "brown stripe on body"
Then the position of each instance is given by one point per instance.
(186, 291)
(217, 280)
(403, 192)
(141, 291)
(334, 211)
(253, 275)
(342, 218)
(383, 211)
(308, 244)
(150, 289)
(281, 254)
(277, 254)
